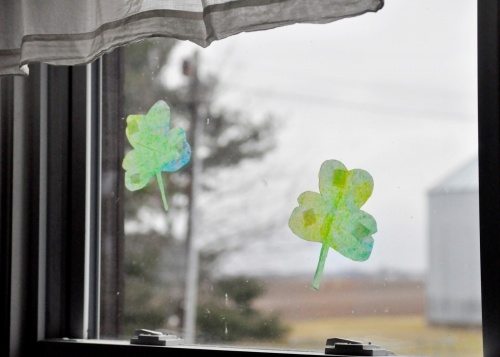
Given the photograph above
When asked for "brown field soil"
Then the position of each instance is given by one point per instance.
(294, 300)
(387, 313)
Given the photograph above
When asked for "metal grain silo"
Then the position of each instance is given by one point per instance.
(453, 282)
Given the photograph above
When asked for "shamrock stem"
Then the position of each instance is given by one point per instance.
(321, 266)
(162, 190)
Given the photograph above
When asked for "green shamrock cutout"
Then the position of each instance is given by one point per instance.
(156, 148)
(333, 217)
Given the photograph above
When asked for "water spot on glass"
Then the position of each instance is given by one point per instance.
(173, 321)
(208, 121)
(225, 328)
(227, 299)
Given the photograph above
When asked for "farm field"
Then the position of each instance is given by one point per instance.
(402, 334)
(386, 312)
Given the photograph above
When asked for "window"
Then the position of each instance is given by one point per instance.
(262, 111)
(52, 302)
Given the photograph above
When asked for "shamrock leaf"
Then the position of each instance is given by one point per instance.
(156, 148)
(333, 217)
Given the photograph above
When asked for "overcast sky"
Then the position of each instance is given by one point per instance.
(392, 92)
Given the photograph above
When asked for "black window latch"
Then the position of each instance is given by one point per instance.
(153, 338)
(343, 347)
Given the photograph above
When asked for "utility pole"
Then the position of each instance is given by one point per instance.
(190, 69)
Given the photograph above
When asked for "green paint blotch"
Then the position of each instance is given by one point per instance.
(309, 217)
(360, 231)
(339, 178)
(326, 226)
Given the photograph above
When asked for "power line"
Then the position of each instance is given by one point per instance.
(346, 104)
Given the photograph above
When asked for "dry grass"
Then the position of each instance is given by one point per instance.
(405, 335)
(390, 313)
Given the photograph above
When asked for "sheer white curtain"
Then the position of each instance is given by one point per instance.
(77, 31)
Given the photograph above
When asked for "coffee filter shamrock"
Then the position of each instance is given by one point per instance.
(333, 216)
(156, 148)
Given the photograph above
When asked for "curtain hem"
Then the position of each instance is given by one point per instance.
(216, 22)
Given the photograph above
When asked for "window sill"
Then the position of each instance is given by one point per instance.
(112, 348)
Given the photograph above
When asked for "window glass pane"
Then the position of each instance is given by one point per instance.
(393, 93)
